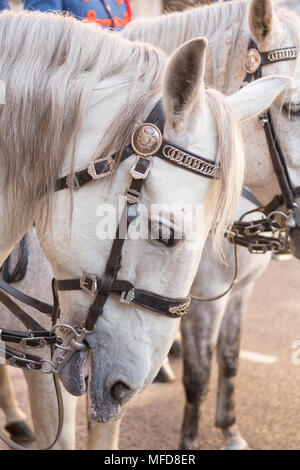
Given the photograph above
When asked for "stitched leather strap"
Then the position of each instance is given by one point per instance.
(148, 300)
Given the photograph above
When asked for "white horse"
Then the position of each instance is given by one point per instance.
(218, 323)
(68, 83)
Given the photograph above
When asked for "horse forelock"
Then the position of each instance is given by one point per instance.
(50, 64)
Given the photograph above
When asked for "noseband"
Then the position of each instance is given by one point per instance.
(279, 223)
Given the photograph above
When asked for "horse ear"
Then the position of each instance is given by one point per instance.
(258, 96)
(262, 20)
(183, 83)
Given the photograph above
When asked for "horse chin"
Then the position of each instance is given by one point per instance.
(295, 242)
(107, 412)
(73, 373)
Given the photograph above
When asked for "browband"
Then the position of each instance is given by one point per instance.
(146, 138)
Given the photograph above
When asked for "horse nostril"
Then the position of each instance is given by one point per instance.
(120, 391)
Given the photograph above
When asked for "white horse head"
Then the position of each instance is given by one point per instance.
(76, 82)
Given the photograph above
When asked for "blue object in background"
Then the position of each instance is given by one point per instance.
(4, 4)
(109, 13)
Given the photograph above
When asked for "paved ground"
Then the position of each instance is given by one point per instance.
(268, 395)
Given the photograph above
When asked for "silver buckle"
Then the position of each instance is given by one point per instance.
(127, 297)
(257, 249)
(133, 196)
(92, 170)
(83, 283)
(41, 342)
(137, 175)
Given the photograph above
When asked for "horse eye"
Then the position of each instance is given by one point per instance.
(166, 235)
(163, 234)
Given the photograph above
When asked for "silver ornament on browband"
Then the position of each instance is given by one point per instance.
(146, 140)
(252, 61)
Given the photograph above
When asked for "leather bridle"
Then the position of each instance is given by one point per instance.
(147, 143)
(255, 234)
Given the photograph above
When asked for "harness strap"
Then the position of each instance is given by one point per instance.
(278, 161)
(174, 154)
(13, 445)
(247, 194)
(235, 278)
(128, 293)
(20, 314)
(27, 300)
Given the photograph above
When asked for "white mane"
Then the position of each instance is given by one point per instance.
(50, 65)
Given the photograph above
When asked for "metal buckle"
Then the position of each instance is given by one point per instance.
(50, 364)
(72, 182)
(137, 175)
(83, 283)
(92, 170)
(133, 196)
(254, 229)
(41, 342)
(258, 249)
(26, 364)
(127, 297)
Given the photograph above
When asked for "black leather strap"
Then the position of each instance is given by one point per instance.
(19, 272)
(34, 339)
(278, 161)
(168, 151)
(278, 55)
(26, 299)
(247, 194)
(148, 300)
(256, 244)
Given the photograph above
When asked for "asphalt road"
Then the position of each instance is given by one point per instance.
(268, 394)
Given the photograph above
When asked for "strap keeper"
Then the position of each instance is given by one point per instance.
(127, 297)
(84, 285)
(139, 173)
(133, 196)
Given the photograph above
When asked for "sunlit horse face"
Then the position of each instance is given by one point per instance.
(274, 29)
(130, 342)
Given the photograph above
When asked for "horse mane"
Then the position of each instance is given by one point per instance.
(212, 21)
(50, 65)
(232, 165)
